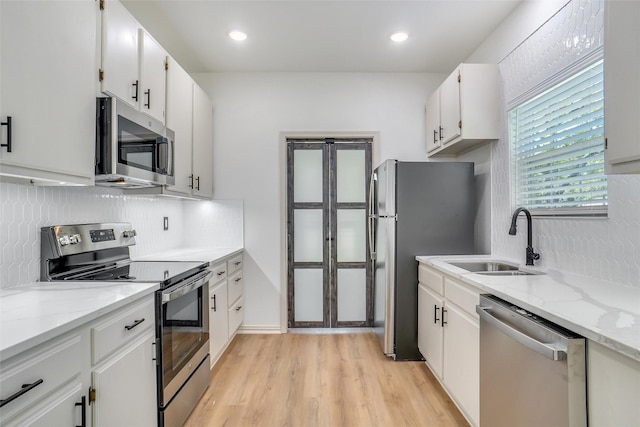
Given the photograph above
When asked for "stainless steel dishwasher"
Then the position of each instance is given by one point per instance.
(532, 372)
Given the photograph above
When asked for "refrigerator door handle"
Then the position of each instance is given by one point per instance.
(371, 218)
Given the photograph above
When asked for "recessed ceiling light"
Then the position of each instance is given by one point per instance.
(238, 35)
(399, 37)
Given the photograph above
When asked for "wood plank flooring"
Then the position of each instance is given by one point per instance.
(301, 380)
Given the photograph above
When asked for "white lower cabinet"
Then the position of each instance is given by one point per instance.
(225, 304)
(101, 374)
(218, 316)
(449, 337)
(613, 382)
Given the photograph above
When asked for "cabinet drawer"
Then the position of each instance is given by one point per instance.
(43, 370)
(234, 264)
(431, 279)
(235, 287)
(462, 296)
(236, 315)
(219, 272)
(121, 327)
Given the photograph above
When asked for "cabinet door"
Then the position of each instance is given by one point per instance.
(462, 360)
(450, 107)
(218, 320)
(120, 53)
(48, 87)
(125, 386)
(61, 408)
(622, 86)
(613, 387)
(202, 144)
(430, 331)
(179, 119)
(153, 76)
(433, 122)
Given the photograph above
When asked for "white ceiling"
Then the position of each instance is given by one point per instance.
(324, 35)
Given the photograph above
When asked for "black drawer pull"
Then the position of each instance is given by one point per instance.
(8, 125)
(220, 273)
(135, 323)
(238, 279)
(214, 303)
(83, 408)
(25, 388)
(148, 103)
(238, 308)
(435, 314)
(237, 263)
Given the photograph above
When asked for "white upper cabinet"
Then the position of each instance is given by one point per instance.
(622, 87)
(202, 144)
(48, 86)
(133, 63)
(120, 61)
(180, 120)
(463, 113)
(153, 76)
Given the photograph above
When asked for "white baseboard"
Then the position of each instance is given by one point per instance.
(260, 329)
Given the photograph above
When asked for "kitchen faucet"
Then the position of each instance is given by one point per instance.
(531, 256)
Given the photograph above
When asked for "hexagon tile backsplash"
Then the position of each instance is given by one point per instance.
(24, 209)
(601, 248)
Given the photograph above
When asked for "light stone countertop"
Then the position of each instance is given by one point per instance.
(601, 311)
(33, 313)
(210, 255)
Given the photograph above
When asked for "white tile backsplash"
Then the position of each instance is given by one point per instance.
(24, 209)
(602, 248)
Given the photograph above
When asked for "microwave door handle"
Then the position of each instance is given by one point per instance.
(161, 161)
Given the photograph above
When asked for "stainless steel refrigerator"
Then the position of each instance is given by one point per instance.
(417, 208)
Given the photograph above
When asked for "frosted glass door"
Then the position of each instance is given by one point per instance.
(329, 272)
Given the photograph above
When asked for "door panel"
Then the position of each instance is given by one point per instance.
(329, 272)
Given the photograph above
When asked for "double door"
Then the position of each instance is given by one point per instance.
(329, 272)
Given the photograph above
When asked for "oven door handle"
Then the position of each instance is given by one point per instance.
(191, 284)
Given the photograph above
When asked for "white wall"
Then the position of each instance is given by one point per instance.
(250, 112)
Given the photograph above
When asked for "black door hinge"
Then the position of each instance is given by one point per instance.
(101, 4)
(100, 75)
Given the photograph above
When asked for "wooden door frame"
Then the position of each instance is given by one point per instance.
(284, 244)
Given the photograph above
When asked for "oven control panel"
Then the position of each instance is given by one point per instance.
(102, 235)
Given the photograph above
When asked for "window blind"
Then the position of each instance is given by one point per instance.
(558, 147)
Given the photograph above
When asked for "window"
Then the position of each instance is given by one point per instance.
(557, 141)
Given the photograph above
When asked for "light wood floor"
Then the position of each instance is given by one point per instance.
(320, 380)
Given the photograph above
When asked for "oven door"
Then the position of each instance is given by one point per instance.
(183, 333)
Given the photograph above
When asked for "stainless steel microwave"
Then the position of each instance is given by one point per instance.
(133, 150)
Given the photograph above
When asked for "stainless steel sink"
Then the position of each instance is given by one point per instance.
(485, 266)
(506, 273)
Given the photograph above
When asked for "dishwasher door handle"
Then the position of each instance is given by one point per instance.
(548, 351)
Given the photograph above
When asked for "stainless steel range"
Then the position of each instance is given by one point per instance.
(100, 252)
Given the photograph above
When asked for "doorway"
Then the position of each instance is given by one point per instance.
(329, 268)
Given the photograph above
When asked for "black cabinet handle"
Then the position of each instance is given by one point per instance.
(198, 183)
(25, 389)
(83, 408)
(435, 136)
(135, 93)
(238, 308)
(214, 302)
(220, 273)
(148, 93)
(442, 321)
(238, 279)
(435, 314)
(134, 324)
(8, 125)
(440, 130)
(237, 263)
(190, 181)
